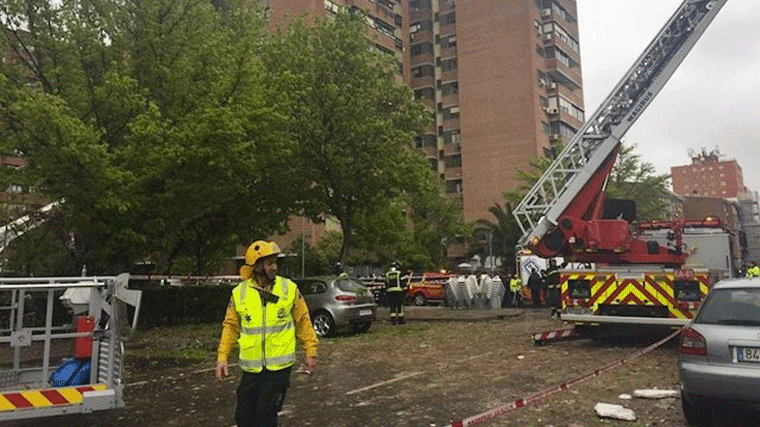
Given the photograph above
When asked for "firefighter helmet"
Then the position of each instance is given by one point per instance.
(258, 249)
(396, 265)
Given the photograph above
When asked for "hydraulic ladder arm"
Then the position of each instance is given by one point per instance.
(567, 201)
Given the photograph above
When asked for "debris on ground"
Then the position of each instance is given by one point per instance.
(618, 412)
(655, 393)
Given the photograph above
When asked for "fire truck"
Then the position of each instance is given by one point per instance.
(629, 279)
(61, 346)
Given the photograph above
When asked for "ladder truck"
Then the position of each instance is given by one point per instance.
(54, 362)
(631, 280)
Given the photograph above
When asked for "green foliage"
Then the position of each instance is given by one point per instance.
(504, 234)
(630, 178)
(148, 119)
(352, 117)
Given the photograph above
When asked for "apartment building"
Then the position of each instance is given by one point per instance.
(709, 176)
(504, 80)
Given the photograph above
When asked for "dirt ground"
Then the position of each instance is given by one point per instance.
(425, 373)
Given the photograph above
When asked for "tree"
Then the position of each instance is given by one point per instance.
(497, 239)
(351, 115)
(148, 119)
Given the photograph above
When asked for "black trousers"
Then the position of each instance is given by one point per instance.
(260, 397)
(396, 304)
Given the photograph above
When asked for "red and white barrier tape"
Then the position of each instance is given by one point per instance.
(555, 335)
(485, 416)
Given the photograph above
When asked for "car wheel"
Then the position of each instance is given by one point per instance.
(323, 324)
(419, 299)
(360, 328)
(695, 415)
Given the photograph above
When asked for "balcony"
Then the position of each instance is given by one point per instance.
(448, 76)
(451, 124)
(422, 81)
(421, 36)
(423, 58)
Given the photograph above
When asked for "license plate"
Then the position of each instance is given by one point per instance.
(365, 312)
(748, 354)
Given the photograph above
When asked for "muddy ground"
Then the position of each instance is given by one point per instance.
(425, 373)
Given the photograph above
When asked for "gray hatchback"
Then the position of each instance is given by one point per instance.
(719, 352)
(336, 302)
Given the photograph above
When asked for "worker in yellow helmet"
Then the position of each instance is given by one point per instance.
(265, 316)
(753, 270)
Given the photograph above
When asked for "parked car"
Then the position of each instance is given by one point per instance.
(719, 352)
(427, 288)
(337, 302)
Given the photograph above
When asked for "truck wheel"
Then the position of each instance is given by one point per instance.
(419, 300)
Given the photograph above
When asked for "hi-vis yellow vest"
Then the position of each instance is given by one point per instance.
(267, 332)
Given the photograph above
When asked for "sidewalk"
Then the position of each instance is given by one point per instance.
(429, 313)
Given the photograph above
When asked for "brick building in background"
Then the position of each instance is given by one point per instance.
(503, 80)
(708, 176)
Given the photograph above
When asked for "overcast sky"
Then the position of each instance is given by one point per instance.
(712, 100)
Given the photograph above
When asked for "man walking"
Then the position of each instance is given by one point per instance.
(265, 316)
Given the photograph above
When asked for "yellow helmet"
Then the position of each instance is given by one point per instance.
(258, 249)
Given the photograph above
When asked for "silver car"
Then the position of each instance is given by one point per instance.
(719, 352)
(336, 302)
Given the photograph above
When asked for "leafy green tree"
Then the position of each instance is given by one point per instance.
(351, 115)
(148, 119)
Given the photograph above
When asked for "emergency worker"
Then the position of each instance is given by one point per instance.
(265, 316)
(395, 291)
(338, 270)
(753, 270)
(552, 288)
(535, 283)
(515, 286)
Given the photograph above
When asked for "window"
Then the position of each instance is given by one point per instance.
(415, 5)
(422, 71)
(563, 129)
(450, 88)
(449, 18)
(448, 41)
(419, 49)
(449, 64)
(451, 113)
(451, 137)
(331, 7)
(420, 26)
(453, 161)
(385, 28)
(454, 186)
(424, 93)
(424, 141)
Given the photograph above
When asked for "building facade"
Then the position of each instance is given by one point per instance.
(504, 81)
(708, 176)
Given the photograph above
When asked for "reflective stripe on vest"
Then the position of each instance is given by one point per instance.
(267, 332)
(393, 281)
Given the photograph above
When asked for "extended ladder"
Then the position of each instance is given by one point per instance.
(599, 138)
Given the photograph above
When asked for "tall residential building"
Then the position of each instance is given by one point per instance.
(504, 80)
(708, 176)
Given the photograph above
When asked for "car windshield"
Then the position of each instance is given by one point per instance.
(350, 285)
(731, 307)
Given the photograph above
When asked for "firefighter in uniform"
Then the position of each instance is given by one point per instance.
(395, 292)
(753, 270)
(552, 288)
(338, 270)
(265, 316)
